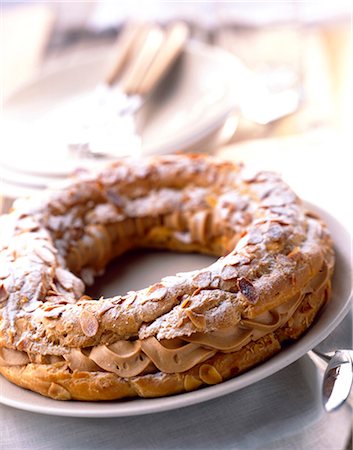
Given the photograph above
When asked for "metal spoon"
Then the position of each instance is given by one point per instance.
(337, 364)
(338, 380)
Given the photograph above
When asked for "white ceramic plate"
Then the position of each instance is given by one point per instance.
(188, 111)
(159, 263)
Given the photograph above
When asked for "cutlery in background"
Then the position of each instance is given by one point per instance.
(334, 357)
(338, 380)
(142, 56)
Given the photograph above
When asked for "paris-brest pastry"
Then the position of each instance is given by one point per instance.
(185, 332)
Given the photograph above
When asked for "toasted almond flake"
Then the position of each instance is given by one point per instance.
(185, 303)
(31, 306)
(191, 383)
(157, 292)
(202, 279)
(131, 295)
(247, 289)
(54, 313)
(215, 282)
(311, 215)
(51, 292)
(4, 272)
(209, 374)
(295, 251)
(249, 174)
(69, 281)
(27, 224)
(3, 293)
(229, 272)
(105, 309)
(49, 307)
(255, 237)
(45, 255)
(89, 323)
(278, 199)
(196, 291)
(129, 299)
(198, 320)
(237, 259)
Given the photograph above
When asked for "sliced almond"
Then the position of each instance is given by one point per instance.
(247, 289)
(27, 224)
(157, 292)
(196, 291)
(129, 299)
(295, 251)
(229, 272)
(185, 303)
(191, 383)
(209, 374)
(45, 255)
(69, 281)
(89, 323)
(198, 320)
(255, 237)
(4, 295)
(235, 260)
(202, 279)
(54, 313)
(4, 272)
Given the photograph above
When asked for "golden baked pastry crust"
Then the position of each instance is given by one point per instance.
(186, 331)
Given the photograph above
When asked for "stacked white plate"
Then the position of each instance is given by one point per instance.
(195, 108)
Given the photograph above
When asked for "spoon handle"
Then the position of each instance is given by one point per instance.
(338, 380)
(174, 42)
(122, 51)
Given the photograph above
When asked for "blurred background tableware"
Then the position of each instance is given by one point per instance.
(104, 121)
(193, 107)
(249, 71)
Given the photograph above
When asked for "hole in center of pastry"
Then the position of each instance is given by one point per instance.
(140, 268)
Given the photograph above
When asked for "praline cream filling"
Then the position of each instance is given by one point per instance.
(131, 358)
